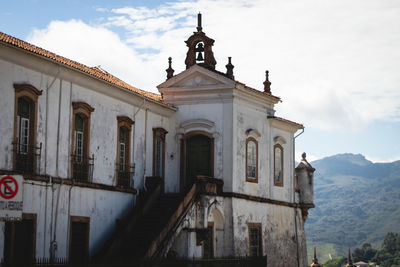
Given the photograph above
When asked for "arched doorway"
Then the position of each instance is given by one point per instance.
(197, 150)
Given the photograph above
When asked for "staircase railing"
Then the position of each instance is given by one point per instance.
(203, 185)
(145, 200)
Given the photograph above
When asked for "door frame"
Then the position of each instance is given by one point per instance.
(25, 216)
(183, 154)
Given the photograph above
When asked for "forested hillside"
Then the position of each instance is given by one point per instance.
(356, 201)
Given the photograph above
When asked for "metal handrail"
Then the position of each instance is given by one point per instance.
(125, 174)
(82, 168)
(27, 160)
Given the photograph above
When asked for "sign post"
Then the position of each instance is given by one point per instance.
(11, 203)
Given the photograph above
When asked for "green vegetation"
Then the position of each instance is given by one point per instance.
(389, 255)
(336, 262)
(356, 201)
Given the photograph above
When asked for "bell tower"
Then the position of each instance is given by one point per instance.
(200, 48)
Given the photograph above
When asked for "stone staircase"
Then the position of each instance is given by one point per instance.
(154, 220)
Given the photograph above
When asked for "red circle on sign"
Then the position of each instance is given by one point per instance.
(4, 183)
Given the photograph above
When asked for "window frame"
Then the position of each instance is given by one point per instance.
(82, 219)
(84, 110)
(211, 229)
(260, 245)
(123, 122)
(159, 133)
(10, 250)
(31, 95)
(278, 146)
(251, 179)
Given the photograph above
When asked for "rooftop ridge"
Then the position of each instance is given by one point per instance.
(96, 71)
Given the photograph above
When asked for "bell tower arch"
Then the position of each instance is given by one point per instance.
(200, 48)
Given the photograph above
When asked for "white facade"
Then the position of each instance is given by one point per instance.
(198, 101)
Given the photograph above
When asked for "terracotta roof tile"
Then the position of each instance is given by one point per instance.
(93, 71)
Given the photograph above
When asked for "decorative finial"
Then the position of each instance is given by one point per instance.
(267, 83)
(199, 28)
(303, 155)
(229, 69)
(315, 260)
(349, 261)
(170, 70)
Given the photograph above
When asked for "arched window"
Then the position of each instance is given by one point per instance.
(251, 160)
(125, 169)
(278, 165)
(24, 127)
(25, 150)
(82, 163)
(159, 152)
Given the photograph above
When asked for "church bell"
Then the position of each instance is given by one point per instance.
(199, 50)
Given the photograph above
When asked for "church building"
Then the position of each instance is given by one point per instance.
(94, 169)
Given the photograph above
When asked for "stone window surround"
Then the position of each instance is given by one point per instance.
(159, 132)
(126, 122)
(250, 179)
(32, 94)
(279, 146)
(85, 110)
(27, 216)
(259, 227)
(78, 219)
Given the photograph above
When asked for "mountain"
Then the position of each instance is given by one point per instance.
(356, 201)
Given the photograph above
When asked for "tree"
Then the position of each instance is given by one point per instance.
(389, 243)
(365, 253)
(336, 262)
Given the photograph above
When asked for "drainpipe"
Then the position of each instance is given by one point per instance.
(294, 199)
(53, 243)
(134, 128)
(45, 222)
(69, 215)
(46, 123)
(69, 130)
(58, 128)
(145, 147)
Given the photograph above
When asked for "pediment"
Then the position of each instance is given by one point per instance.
(197, 76)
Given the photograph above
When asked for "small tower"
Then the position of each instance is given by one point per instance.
(229, 69)
(349, 261)
(267, 83)
(200, 48)
(170, 70)
(305, 185)
(315, 260)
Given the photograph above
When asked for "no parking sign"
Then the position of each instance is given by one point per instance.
(11, 203)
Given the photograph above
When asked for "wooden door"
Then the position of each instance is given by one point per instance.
(198, 158)
(19, 241)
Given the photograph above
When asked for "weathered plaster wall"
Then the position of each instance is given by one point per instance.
(286, 192)
(281, 229)
(60, 87)
(248, 116)
(103, 207)
(59, 91)
(208, 209)
(220, 114)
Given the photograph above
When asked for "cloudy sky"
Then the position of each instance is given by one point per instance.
(335, 64)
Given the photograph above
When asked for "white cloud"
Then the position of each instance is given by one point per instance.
(381, 160)
(334, 63)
